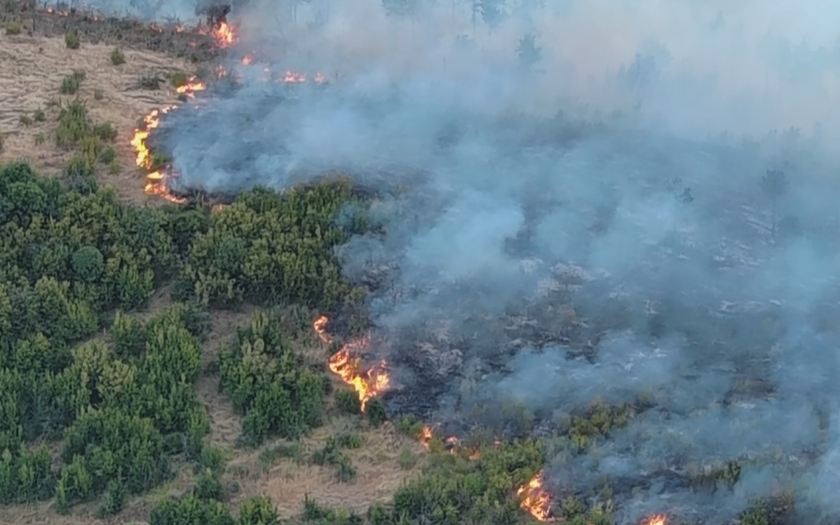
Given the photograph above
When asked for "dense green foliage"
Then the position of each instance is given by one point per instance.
(272, 251)
(268, 384)
(75, 260)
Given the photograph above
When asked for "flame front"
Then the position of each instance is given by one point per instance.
(224, 35)
(656, 520)
(155, 180)
(191, 87)
(347, 365)
(535, 499)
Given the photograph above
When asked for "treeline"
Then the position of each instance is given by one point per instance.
(76, 366)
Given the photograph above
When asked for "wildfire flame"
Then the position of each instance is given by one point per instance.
(156, 180)
(656, 520)
(224, 35)
(536, 500)
(191, 87)
(346, 365)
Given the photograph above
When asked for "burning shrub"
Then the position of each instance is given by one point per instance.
(269, 384)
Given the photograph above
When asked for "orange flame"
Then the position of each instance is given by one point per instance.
(346, 365)
(224, 35)
(535, 499)
(191, 87)
(156, 180)
(656, 520)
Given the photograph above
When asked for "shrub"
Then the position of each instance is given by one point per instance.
(105, 131)
(150, 82)
(98, 94)
(209, 487)
(26, 120)
(73, 124)
(88, 263)
(40, 139)
(71, 39)
(39, 115)
(269, 383)
(14, 28)
(375, 411)
(178, 79)
(71, 83)
(347, 401)
(107, 155)
(257, 510)
(117, 57)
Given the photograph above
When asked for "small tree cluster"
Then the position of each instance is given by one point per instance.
(269, 383)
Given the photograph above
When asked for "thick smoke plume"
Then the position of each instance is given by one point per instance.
(631, 202)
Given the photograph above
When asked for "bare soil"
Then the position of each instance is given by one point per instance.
(33, 68)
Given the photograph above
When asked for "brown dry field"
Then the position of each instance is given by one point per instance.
(31, 70)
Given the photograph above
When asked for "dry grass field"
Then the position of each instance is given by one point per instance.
(32, 71)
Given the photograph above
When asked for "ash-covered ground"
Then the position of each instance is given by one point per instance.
(539, 257)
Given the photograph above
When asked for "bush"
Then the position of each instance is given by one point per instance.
(375, 411)
(71, 39)
(88, 264)
(39, 115)
(108, 155)
(73, 124)
(347, 401)
(105, 131)
(117, 57)
(14, 28)
(208, 487)
(289, 251)
(178, 79)
(269, 383)
(150, 82)
(70, 84)
(257, 510)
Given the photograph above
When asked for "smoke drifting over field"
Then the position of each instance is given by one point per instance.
(579, 227)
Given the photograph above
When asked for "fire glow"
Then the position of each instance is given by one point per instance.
(346, 364)
(655, 520)
(535, 499)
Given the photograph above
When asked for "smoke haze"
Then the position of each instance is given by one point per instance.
(583, 222)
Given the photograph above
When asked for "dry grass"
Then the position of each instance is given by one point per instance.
(225, 424)
(33, 68)
(288, 482)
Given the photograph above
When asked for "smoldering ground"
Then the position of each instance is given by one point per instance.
(584, 221)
